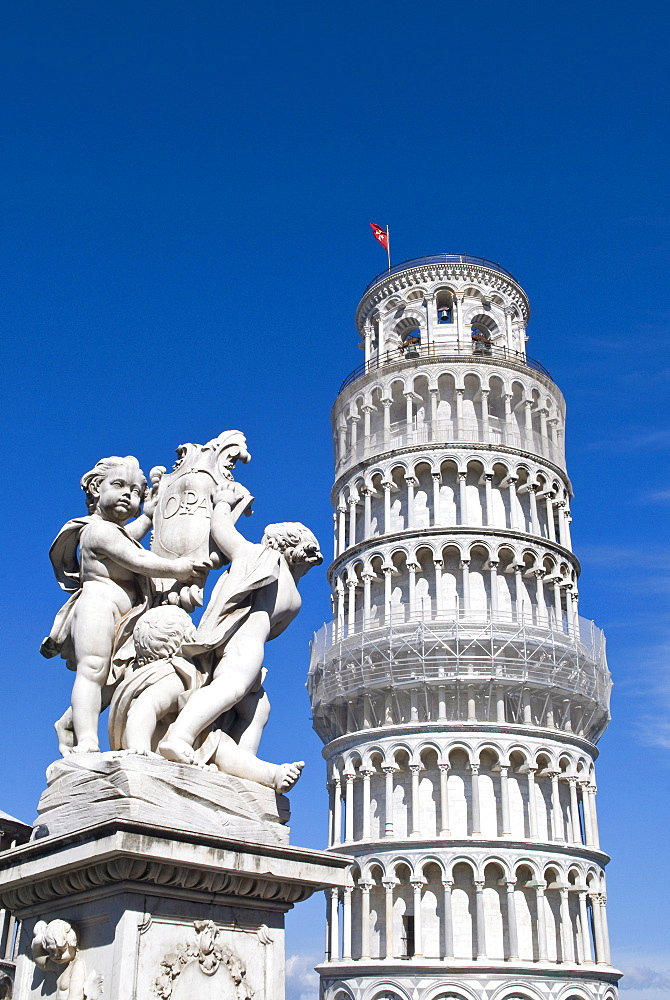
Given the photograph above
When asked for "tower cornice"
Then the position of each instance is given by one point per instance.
(433, 270)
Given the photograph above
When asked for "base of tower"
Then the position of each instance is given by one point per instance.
(427, 979)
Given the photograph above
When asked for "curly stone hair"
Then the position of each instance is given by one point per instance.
(101, 470)
(293, 540)
(161, 632)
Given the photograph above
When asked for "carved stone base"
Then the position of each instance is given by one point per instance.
(160, 913)
(93, 787)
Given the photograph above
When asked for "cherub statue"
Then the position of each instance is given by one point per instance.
(111, 581)
(55, 948)
(254, 601)
(150, 696)
(156, 685)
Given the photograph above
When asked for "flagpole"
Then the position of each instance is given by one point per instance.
(388, 246)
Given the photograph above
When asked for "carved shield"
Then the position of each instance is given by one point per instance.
(184, 510)
(181, 519)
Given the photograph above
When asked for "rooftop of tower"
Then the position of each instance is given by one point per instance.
(440, 258)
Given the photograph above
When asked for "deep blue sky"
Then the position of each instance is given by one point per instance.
(186, 191)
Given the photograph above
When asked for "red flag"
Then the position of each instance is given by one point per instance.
(380, 234)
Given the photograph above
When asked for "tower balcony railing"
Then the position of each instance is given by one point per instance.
(446, 432)
(508, 646)
(482, 350)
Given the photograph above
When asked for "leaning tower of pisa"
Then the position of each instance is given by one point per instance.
(457, 691)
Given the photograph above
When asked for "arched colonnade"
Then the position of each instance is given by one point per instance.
(456, 792)
(433, 406)
(448, 491)
(518, 910)
(472, 579)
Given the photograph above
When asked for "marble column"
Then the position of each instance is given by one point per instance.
(472, 704)
(437, 483)
(418, 935)
(480, 951)
(567, 520)
(551, 528)
(411, 484)
(596, 910)
(389, 949)
(412, 567)
(439, 597)
(493, 569)
(574, 811)
(349, 807)
(566, 926)
(354, 421)
(415, 804)
(388, 573)
(346, 922)
(462, 499)
(476, 819)
(606, 935)
(387, 486)
(500, 703)
(448, 885)
(337, 810)
(459, 414)
(444, 801)
(556, 811)
(584, 928)
(409, 418)
(465, 568)
(367, 511)
(528, 425)
(532, 805)
(367, 598)
(388, 799)
(513, 503)
(351, 607)
(504, 803)
(511, 920)
(367, 777)
(334, 925)
(541, 603)
(353, 503)
(434, 400)
(588, 821)
(485, 416)
(387, 404)
(534, 519)
(367, 334)
(541, 923)
(342, 528)
(367, 414)
(521, 610)
(488, 489)
(365, 919)
(509, 434)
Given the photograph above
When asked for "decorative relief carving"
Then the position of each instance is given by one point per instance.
(55, 949)
(211, 955)
(154, 873)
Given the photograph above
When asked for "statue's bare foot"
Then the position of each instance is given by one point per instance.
(86, 746)
(178, 750)
(65, 734)
(287, 774)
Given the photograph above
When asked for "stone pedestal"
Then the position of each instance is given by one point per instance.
(175, 880)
